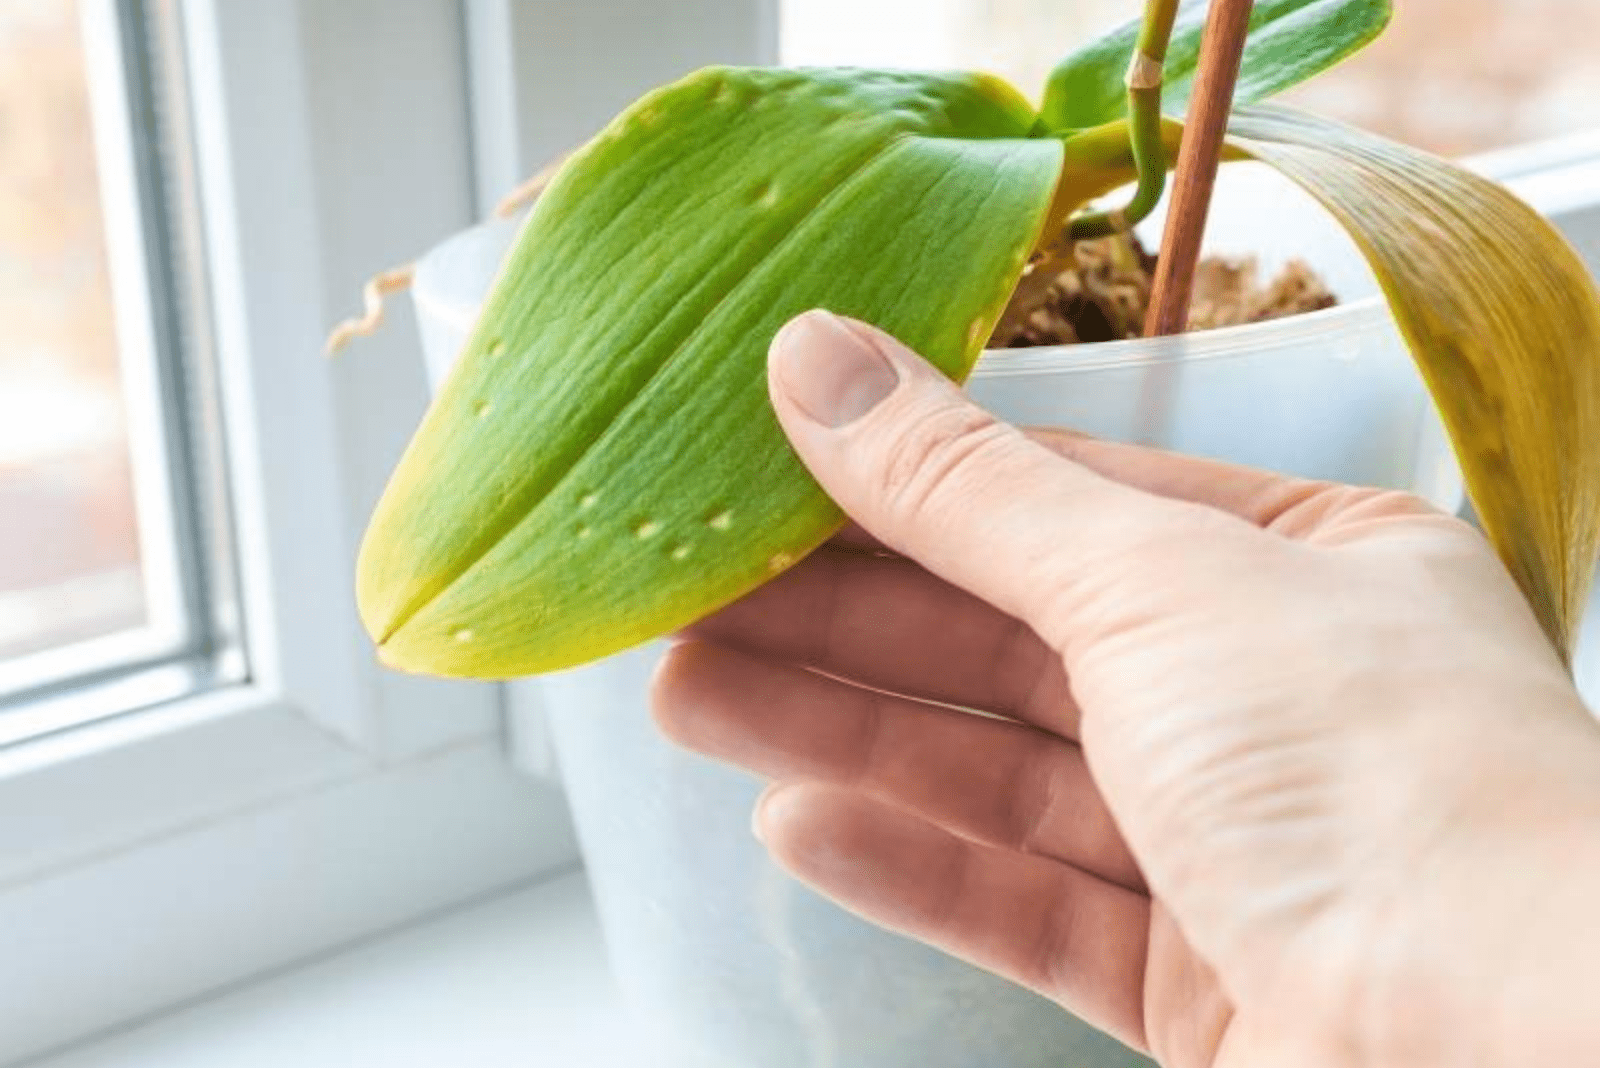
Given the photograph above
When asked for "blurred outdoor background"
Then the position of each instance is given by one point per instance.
(69, 546)
(1457, 76)
(1454, 76)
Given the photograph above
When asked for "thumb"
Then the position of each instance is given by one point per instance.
(940, 480)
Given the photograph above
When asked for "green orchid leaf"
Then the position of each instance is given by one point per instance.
(1504, 322)
(603, 466)
(1290, 41)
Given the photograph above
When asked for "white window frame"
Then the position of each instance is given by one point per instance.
(149, 858)
(152, 858)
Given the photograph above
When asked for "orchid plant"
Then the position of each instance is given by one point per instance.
(602, 466)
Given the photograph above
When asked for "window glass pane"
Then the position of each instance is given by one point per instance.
(1454, 76)
(70, 562)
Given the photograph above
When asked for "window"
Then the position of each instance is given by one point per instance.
(171, 822)
(272, 158)
(1452, 76)
(72, 569)
(112, 574)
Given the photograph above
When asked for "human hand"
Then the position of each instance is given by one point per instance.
(1274, 772)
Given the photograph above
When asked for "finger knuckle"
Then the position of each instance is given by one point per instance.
(1306, 508)
(1053, 964)
(668, 692)
(1034, 802)
(939, 457)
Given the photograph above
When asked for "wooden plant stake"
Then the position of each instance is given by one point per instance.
(1221, 52)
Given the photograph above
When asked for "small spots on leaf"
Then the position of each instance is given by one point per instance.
(495, 349)
(481, 408)
(588, 500)
(679, 552)
(584, 531)
(647, 528)
(765, 195)
(463, 634)
(720, 520)
(780, 561)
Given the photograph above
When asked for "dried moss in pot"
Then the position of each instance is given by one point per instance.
(1099, 290)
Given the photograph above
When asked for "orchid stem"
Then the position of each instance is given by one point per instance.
(1145, 79)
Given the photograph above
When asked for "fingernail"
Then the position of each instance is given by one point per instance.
(832, 373)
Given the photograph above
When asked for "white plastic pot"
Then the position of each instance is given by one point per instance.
(730, 963)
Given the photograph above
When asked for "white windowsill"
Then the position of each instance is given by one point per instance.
(517, 980)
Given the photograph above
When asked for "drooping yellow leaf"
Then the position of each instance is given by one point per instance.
(1504, 322)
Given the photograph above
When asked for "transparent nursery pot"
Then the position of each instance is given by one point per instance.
(728, 962)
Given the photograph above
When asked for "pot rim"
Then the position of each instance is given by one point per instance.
(1359, 318)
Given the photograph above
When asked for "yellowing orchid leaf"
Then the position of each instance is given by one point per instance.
(1504, 322)
(603, 465)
